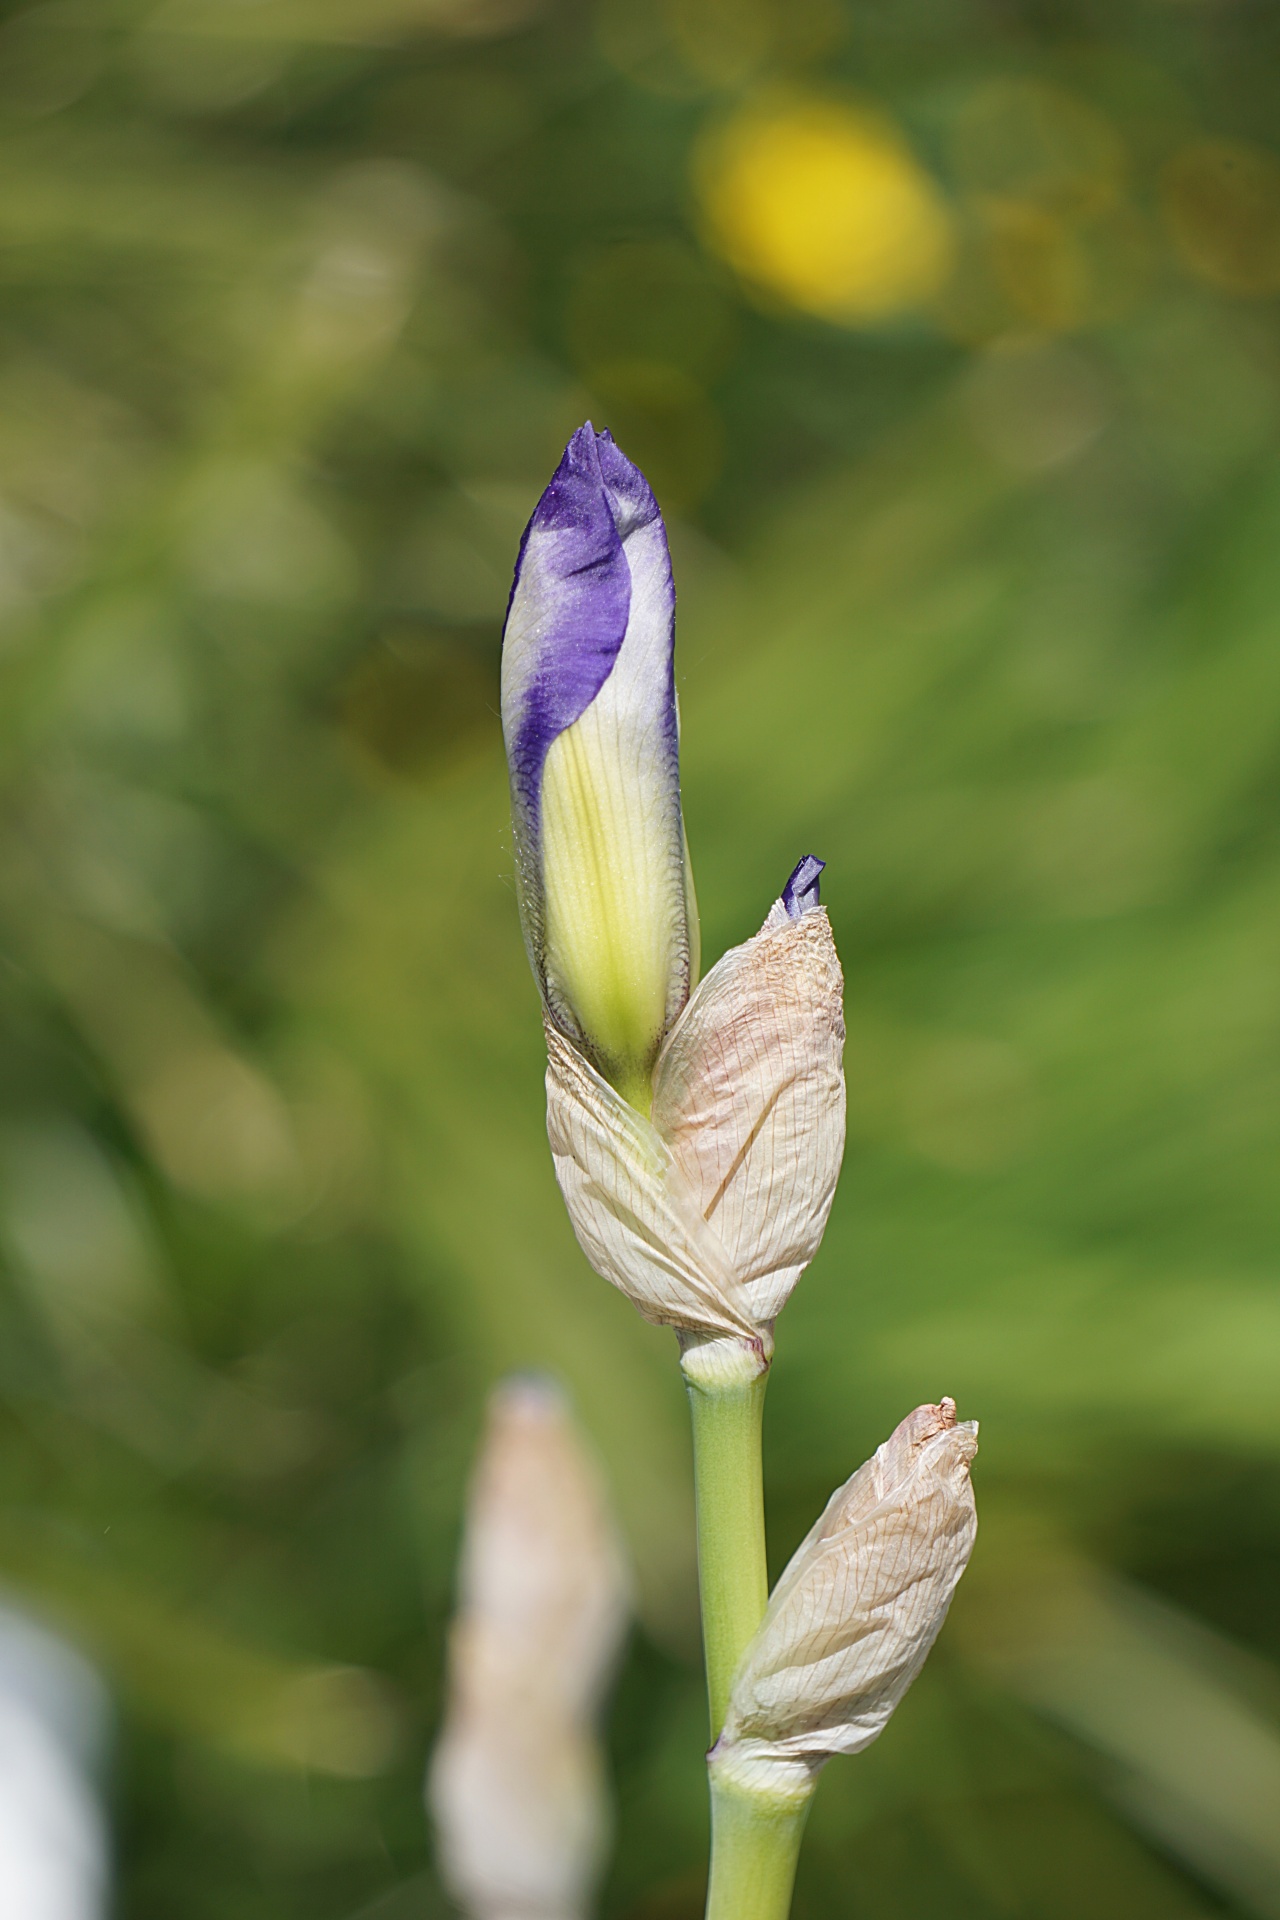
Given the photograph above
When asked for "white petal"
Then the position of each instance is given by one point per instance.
(613, 858)
(631, 1208)
(749, 1096)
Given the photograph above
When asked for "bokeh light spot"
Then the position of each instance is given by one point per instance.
(681, 48)
(1054, 239)
(1029, 141)
(1034, 404)
(825, 206)
(1222, 205)
(1060, 274)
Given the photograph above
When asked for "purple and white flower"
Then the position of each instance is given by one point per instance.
(589, 715)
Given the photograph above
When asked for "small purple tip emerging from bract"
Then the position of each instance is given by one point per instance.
(801, 891)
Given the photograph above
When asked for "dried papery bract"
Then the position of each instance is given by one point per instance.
(847, 1629)
(706, 1213)
(516, 1783)
(862, 1600)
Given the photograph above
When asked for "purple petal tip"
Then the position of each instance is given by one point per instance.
(801, 891)
(630, 495)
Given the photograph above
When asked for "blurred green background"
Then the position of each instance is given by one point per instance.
(947, 333)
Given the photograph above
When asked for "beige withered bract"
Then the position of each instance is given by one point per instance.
(855, 1613)
(631, 1207)
(516, 1783)
(749, 1095)
(706, 1214)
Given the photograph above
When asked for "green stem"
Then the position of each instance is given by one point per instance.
(755, 1843)
(732, 1574)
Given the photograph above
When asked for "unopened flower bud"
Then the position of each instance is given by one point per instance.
(589, 717)
(856, 1611)
(516, 1783)
(707, 1212)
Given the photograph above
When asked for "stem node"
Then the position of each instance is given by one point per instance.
(756, 1829)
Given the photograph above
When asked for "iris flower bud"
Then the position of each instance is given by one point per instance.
(706, 1213)
(696, 1139)
(589, 717)
(856, 1611)
(516, 1782)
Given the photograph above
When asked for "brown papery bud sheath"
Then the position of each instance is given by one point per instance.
(855, 1613)
(706, 1212)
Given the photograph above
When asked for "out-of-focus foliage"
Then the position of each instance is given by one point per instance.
(978, 547)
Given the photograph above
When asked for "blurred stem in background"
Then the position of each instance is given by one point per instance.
(516, 1785)
(733, 1576)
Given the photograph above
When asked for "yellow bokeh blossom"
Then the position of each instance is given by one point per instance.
(825, 205)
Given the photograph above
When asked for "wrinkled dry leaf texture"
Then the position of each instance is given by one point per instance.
(860, 1604)
(749, 1095)
(707, 1215)
(516, 1781)
(631, 1209)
